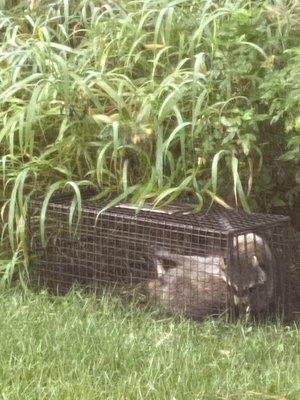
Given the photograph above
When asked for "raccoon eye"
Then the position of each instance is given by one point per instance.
(251, 289)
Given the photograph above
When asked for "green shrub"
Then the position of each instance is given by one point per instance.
(149, 98)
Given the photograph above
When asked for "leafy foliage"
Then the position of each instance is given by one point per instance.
(154, 99)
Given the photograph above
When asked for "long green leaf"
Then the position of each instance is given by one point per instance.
(52, 189)
(237, 185)
(117, 200)
(214, 168)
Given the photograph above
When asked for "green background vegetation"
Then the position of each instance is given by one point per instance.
(148, 99)
(147, 93)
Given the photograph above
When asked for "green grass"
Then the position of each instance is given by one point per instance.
(78, 347)
(197, 99)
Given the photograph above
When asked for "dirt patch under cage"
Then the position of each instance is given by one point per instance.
(198, 265)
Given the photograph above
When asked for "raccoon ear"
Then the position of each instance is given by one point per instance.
(254, 262)
(258, 267)
(223, 264)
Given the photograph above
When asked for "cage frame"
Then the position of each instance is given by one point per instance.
(62, 204)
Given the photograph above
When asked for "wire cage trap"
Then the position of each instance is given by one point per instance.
(220, 262)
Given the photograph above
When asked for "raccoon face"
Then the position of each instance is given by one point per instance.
(250, 263)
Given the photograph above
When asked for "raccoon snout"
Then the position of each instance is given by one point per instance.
(242, 302)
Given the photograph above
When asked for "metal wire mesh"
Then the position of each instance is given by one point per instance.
(210, 264)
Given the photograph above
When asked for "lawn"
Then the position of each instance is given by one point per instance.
(81, 347)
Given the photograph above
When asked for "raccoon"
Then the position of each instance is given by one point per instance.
(200, 284)
(189, 291)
